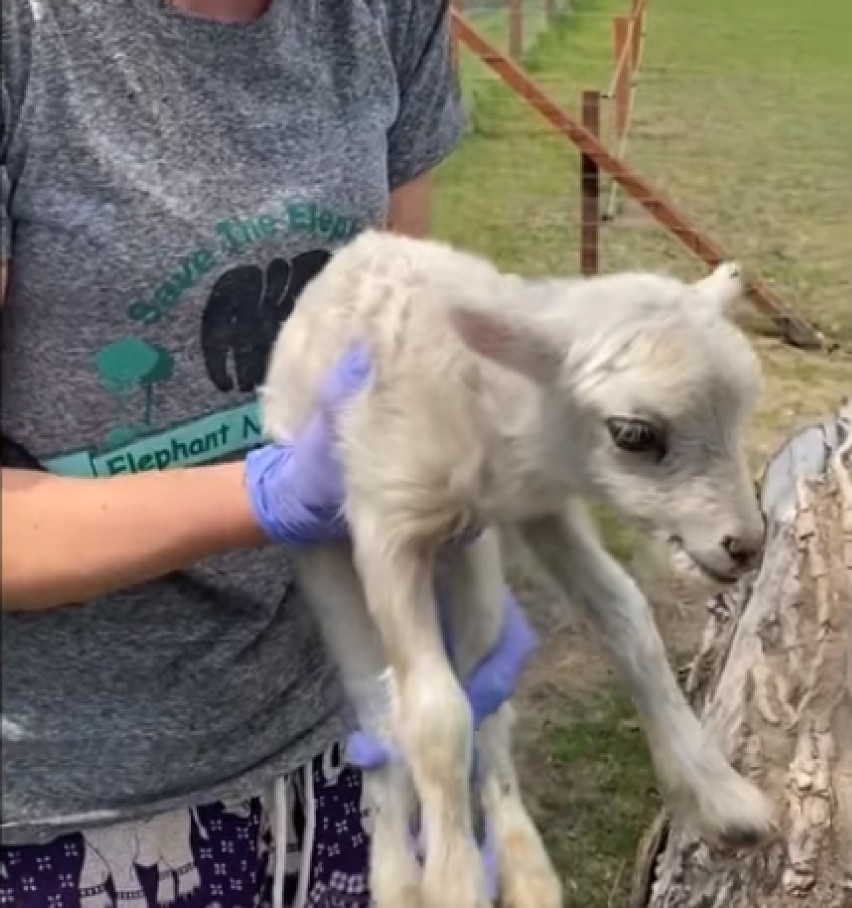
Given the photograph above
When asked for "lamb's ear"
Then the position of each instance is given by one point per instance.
(723, 288)
(511, 340)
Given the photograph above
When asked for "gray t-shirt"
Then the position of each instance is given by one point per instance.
(169, 185)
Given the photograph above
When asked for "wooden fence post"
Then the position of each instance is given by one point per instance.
(637, 30)
(590, 180)
(622, 75)
(516, 29)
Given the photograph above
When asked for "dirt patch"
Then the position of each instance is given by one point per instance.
(571, 661)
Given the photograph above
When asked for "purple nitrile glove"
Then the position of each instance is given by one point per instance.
(487, 687)
(296, 490)
(495, 679)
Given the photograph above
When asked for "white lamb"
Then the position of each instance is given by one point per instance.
(500, 399)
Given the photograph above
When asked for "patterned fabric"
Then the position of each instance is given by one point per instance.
(219, 855)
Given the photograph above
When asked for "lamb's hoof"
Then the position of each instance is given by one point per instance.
(742, 836)
(738, 816)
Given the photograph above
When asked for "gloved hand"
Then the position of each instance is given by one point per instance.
(296, 490)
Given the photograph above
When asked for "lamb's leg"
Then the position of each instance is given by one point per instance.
(473, 586)
(435, 727)
(331, 583)
(527, 878)
(699, 779)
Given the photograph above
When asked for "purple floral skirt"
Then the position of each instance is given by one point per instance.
(220, 855)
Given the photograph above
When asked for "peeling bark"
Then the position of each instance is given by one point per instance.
(773, 681)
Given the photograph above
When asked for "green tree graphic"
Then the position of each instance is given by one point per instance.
(126, 365)
(162, 370)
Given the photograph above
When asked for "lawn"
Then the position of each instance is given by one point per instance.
(743, 117)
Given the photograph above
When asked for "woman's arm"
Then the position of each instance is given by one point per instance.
(409, 212)
(69, 540)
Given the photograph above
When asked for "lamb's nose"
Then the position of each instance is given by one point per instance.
(743, 552)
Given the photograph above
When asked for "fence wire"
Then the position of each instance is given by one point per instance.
(740, 115)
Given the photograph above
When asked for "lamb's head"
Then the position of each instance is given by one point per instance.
(645, 388)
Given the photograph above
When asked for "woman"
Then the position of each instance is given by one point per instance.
(173, 174)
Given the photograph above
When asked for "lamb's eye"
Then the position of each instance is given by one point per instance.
(637, 436)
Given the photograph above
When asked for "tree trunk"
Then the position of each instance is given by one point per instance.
(773, 680)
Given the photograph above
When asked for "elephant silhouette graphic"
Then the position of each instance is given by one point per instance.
(163, 842)
(244, 311)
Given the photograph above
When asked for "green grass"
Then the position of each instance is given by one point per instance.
(743, 118)
(602, 763)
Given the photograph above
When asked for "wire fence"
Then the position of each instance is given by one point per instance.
(733, 114)
(513, 25)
